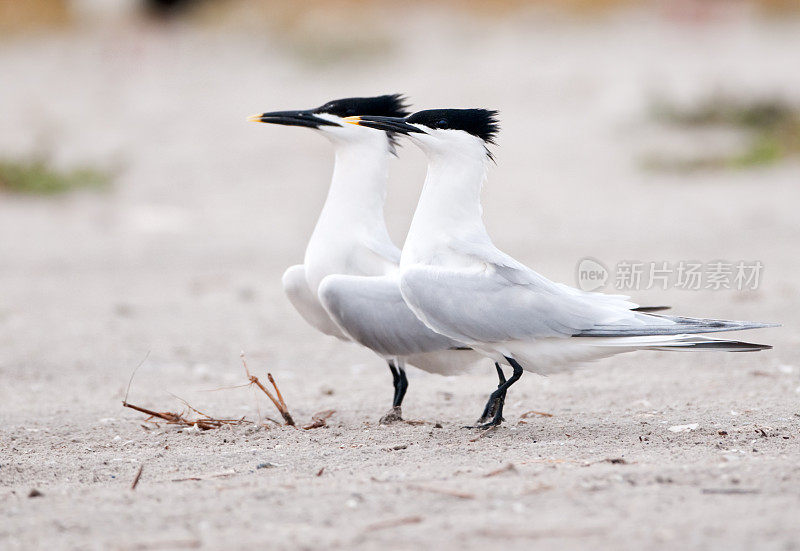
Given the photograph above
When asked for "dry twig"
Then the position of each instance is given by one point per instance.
(392, 523)
(484, 432)
(202, 423)
(206, 422)
(318, 419)
(137, 477)
(279, 403)
(443, 491)
(205, 476)
(128, 389)
(531, 413)
(509, 467)
(414, 422)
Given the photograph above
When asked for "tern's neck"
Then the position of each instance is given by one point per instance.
(357, 191)
(449, 207)
(352, 218)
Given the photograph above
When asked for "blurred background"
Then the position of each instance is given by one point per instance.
(141, 216)
(140, 211)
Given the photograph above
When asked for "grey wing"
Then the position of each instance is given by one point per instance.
(509, 301)
(501, 299)
(506, 266)
(307, 305)
(486, 306)
(372, 312)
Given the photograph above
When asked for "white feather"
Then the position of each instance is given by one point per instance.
(350, 240)
(460, 285)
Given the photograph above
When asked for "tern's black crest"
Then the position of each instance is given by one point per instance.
(392, 105)
(478, 122)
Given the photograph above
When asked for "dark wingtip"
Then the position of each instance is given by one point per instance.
(734, 346)
(650, 309)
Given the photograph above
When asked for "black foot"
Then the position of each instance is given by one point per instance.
(494, 402)
(494, 406)
(485, 426)
(487, 415)
(394, 415)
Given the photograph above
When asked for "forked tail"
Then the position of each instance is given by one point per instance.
(648, 324)
(679, 343)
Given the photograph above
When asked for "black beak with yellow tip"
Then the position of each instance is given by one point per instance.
(293, 118)
(388, 124)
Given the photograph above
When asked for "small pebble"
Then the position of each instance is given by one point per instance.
(684, 428)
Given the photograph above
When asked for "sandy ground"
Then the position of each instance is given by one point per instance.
(183, 257)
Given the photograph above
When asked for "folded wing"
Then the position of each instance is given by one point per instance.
(296, 288)
(372, 312)
(497, 299)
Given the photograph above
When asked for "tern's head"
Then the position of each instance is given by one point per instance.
(441, 130)
(329, 118)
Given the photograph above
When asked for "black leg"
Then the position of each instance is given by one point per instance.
(491, 404)
(400, 382)
(400, 386)
(501, 392)
(395, 380)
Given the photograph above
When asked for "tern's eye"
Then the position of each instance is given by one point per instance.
(350, 112)
(442, 123)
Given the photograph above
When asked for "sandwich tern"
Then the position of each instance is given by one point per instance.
(456, 281)
(350, 248)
